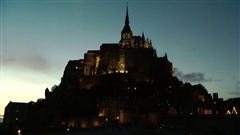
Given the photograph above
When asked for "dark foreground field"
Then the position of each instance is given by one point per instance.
(142, 131)
(132, 131)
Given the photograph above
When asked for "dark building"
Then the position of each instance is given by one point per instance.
(117, 68)
(125, 82)
(132, 55)
(15, 115)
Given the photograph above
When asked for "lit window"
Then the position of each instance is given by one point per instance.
(228, 112)
(234, 111)
(19, 131)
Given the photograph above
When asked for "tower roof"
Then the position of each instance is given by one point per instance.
(126, 27)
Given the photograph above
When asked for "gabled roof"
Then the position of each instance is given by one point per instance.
(126, 28)
(16, 104)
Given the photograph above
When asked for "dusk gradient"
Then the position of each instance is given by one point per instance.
(39, 37)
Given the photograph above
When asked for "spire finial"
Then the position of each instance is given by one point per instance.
(127, 18)
(143, 37)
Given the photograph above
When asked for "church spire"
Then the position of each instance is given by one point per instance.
(127, 17)
(143, 37)
(126, 31)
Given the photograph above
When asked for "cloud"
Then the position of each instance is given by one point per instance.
(237, 86)
(191, 77)
(234, 89)
(7, 60)
(35, 62)
(235, 93)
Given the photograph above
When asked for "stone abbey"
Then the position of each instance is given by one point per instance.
(133, 55)
(122, 83)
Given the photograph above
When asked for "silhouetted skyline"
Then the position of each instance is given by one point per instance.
(38, 38)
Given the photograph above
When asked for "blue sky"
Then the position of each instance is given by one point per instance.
(38, 38)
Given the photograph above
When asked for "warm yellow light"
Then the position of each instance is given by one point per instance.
(234, 111)
(19, 131)
(106, 119)
(117, 117)
(83, 124)
(95, 123)
(100, 114)
(228, 112)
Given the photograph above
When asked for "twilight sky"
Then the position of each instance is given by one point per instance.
(39, 37)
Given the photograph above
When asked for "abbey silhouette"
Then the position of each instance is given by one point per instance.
(122, 82)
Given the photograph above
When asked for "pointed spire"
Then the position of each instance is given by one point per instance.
(127, 28)
(127, 18)
(166, 55)
(143, 37)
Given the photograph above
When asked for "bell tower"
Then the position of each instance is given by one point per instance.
(126, 34)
